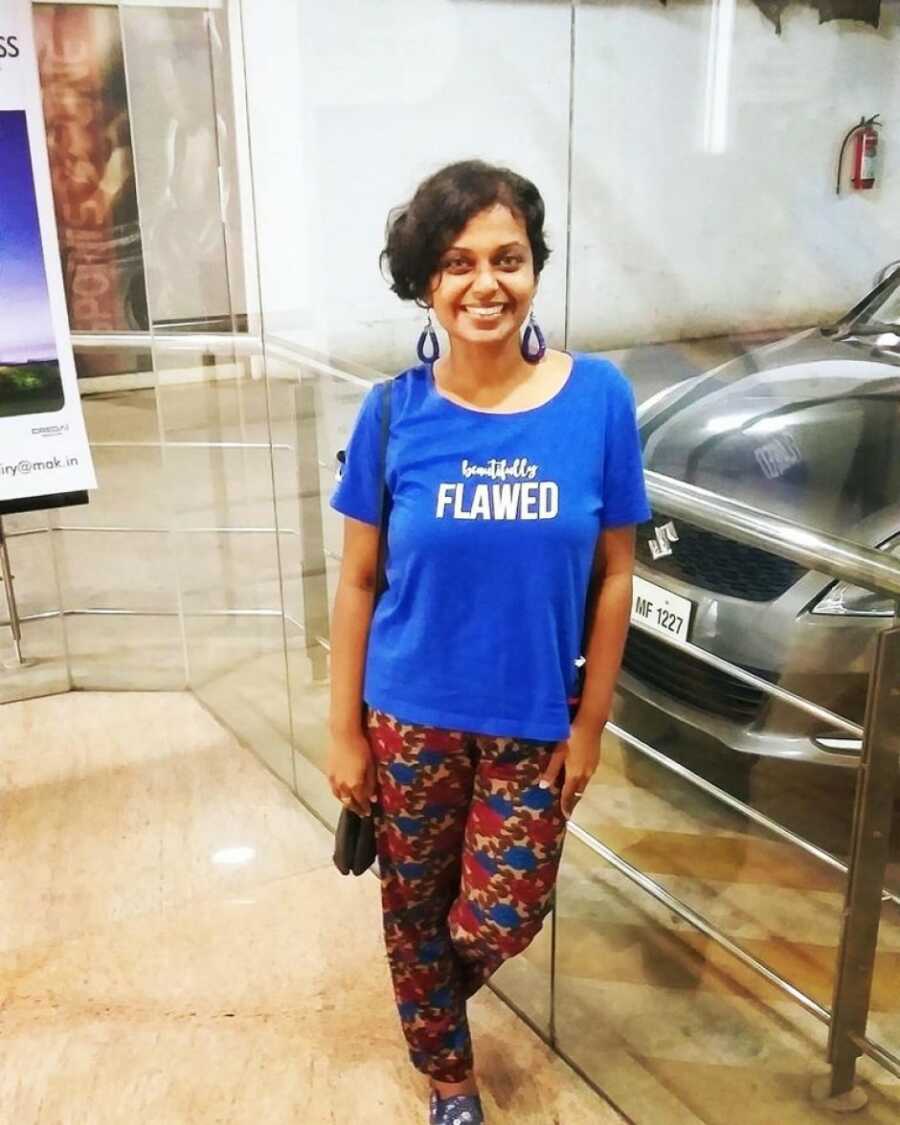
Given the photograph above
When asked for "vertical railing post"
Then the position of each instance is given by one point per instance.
(865, 877)
(314, 577)
(6, 576)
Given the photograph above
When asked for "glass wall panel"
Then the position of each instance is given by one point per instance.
(172, 55)
(320, 224)
(752, 268)
(218, 468)
(714, 261)
(209, 379)
(341, 133)
(115, 554)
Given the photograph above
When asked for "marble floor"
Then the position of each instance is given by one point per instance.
(175, 947)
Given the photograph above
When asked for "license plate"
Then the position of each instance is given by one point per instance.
(660, 610)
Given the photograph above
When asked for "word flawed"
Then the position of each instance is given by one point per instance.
(528, 500)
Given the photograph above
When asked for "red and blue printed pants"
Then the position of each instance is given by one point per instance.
(468, 850)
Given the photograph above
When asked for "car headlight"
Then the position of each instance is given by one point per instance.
(843, 598)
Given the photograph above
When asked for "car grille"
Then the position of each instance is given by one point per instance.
(713, 562)
(660, 665)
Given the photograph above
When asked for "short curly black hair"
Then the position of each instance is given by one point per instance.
(419, 232)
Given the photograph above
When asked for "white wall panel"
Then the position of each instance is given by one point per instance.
(674, 236)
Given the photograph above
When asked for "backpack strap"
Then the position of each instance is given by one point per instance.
(386, 400)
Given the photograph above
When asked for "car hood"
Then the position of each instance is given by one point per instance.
(807, 428)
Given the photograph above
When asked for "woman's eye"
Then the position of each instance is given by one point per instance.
(508, 261)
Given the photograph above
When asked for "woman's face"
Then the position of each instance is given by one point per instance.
(485, 282)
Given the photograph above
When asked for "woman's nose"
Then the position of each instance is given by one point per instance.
(485, 282)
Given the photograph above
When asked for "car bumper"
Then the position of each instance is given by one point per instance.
(825, 660)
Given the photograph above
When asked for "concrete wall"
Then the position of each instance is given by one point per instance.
(702, 207)
(704, 146)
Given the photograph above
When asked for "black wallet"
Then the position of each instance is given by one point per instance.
(354, 843)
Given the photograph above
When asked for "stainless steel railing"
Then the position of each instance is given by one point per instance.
(839, 558)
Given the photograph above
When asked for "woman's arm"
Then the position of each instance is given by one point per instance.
(608, 616)
(350, 768)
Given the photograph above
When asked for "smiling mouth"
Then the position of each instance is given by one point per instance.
(485, 312)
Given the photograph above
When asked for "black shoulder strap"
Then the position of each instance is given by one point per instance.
(386, 398)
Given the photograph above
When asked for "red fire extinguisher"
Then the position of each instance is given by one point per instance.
(865, 153)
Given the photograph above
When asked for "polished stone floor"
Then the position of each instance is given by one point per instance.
(177, 949)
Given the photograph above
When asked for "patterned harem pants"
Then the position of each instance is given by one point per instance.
(468, 850)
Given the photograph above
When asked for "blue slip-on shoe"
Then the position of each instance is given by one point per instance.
(460, 1109)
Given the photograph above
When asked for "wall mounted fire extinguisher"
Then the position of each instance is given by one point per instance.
(865, 153)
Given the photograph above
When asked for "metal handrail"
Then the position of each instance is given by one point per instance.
(816, 550)
(875, 1051)
(698, 921)
(242, 342)
(879, 1053)
(765, 686)
(738, 806)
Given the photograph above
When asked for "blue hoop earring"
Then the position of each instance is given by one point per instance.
(538, 354)
(428, 334)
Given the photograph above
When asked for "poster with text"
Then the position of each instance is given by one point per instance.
(43, 444)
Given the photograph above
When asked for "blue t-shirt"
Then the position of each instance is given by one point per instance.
(494, 519)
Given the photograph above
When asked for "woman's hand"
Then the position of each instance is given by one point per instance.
(351, 771)
(580, 753)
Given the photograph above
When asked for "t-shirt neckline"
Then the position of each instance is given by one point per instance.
(555, 397)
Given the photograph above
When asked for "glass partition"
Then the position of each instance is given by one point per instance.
(712, 260)
(210, 381)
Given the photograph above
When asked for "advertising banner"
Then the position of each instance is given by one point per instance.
(43, 444)
(82, 77)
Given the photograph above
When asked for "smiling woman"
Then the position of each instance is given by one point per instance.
(512, 479)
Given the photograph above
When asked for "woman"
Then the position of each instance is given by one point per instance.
(514, 481)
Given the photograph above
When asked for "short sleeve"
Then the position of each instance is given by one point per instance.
(356, 493)
(624, 492)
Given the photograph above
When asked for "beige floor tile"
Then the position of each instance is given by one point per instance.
(116, 805)
(219, 1008)
(139, 983)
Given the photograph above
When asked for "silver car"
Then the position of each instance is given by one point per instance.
(807, 428)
